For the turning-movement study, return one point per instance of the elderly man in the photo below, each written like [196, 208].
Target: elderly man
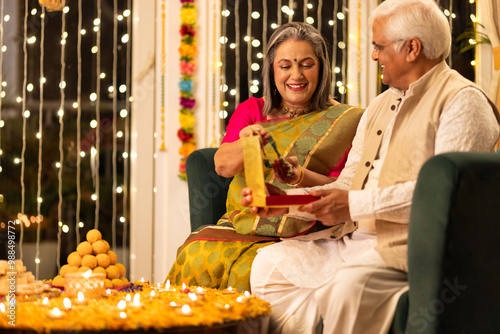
[350, 282]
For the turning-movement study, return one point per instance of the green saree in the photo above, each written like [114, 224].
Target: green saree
[221, 256]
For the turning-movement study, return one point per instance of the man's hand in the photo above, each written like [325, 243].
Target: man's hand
[332, 208]
[246, 199]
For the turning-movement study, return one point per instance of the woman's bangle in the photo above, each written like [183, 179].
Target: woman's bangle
[300, 179]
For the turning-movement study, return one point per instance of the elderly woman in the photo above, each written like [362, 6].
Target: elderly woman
[304, 125]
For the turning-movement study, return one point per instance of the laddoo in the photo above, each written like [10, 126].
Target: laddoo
[89, 261]
[103, 260]
[99, 270]
[64, 270]
[84, 248]
[100, 247]
[83, 269]
[74, 259]
[117, 282]
[112, 272]
[112, 257]
[122, 269]
[58, 281]
[72, 269]
[107, 283]
[93, 235]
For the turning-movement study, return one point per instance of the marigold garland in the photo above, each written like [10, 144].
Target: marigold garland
[187, 52]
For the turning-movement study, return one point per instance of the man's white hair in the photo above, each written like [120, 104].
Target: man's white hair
[422, 19]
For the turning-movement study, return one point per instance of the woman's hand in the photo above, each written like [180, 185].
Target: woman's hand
[256, 130]
[246, 199]
[287, 171]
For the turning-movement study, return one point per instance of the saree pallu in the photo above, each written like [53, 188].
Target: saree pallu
[221, 256]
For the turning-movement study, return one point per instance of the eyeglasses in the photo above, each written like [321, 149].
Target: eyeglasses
[377, 48]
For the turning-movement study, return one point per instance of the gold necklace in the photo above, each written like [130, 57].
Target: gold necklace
[294, 112]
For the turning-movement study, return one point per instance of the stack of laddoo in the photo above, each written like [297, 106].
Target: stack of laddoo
[94, 254]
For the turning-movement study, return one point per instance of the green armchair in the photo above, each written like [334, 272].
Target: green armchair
[207, 190]
[454, 248]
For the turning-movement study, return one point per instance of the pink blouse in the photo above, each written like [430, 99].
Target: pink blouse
[250, 112]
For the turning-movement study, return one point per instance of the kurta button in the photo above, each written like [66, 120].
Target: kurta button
[379, 132]
[367, 164]
[393, 107]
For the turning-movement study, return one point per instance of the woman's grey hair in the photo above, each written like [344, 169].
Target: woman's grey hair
[422, 19]
[300, 32]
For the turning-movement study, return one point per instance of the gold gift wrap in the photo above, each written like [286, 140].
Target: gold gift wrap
[90, 284]
[254, 177]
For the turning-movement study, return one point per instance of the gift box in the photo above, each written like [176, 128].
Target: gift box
[254, 178]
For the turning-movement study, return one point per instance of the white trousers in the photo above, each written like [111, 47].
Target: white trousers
[358, 299]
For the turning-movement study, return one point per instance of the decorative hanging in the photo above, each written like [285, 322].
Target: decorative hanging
[187, 52]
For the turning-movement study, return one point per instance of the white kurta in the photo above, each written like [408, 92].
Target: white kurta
[311, 261]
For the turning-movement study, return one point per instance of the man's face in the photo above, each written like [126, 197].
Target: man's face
[393, 65]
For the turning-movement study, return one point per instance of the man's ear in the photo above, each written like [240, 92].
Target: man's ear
[414, 49]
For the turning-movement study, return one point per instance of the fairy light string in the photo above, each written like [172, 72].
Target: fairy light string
[214, 67]
[319, 14]
[344, 52]
[334, 50]
[126, 136]
[223, 59]
[304, 10]
[114, 126]
[279, 13]
[1, 81]
[249, 47]
[264, 26]
[24, 115]
[40, 145]
[358, 55]
[162, 70]
[62, 85]
[237, 50]
[78, 124]
[98, 115]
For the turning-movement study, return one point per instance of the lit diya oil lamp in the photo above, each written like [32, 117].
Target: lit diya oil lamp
[80, 299]
[136, 303]
[200, 292]
[67, 304]
[45, 301]
[184, 289]
[185, 310]
[175, 305]
[56, 313]
[245, 298]
[228, 291]
[167, 287]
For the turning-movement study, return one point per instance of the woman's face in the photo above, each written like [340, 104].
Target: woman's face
[296, 72]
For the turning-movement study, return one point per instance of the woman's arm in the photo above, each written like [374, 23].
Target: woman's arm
[299, 176]
[229, 157]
